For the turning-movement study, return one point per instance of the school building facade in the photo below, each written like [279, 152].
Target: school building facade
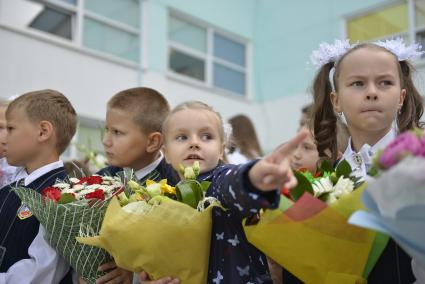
[240, 56]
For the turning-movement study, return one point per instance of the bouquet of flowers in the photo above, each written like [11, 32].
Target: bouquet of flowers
[153, 228]
[68, 207]
[396, 196]
[309, 236]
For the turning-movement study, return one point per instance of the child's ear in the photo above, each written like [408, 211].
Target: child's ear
[154, 142]
[402, 97]
[45, 130]
[335, 101]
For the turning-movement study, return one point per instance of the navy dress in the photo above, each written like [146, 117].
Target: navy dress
[232, 258]
[17, 234]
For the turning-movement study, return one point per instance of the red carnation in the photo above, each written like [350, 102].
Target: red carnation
[97, 194]
[285, 191]
[52, 193]
[91, 180]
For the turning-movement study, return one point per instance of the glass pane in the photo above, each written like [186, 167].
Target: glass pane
[229, 79]
[70, 1]
[229, 50]
[388, 21]
[187, 34]
[54, 22]
[420, 13]
[110, 40]
[187, 65]
[125, 11]
[90, 137]
[22, 13]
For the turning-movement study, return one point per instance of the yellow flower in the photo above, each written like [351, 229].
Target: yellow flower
[165, 188]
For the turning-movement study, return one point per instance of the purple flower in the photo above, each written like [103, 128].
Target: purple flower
[407, 143]
[422, 150]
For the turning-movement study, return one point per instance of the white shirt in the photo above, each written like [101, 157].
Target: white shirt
[45, 265]
[148, 169]
[236, 158]
[361, 161]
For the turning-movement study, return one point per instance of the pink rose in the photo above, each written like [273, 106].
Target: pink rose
[404, 145]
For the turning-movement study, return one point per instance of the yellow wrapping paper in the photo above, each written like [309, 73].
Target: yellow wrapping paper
[319, 248]
[171, 240]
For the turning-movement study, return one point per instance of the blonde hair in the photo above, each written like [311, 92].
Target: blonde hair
[195, 105]
[52, 106]
[148, 107]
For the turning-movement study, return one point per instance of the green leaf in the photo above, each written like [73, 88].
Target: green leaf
[324, 196]
[186, 194]
[302, 186]
[326, 166]
[343, 169]
[205, 185]
[66, 198]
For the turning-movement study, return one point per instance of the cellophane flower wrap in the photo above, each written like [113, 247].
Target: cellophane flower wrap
[66, 208]
[309, 235]
[395, 197]
[160, 229]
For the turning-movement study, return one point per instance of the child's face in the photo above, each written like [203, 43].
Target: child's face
[22, 138]
[3, 131]
[193, 135]
[369, 90]
[124, 142]
[306, 155]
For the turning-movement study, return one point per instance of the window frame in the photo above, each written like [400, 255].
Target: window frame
[208, 57]
[411, 31]
[78, 14]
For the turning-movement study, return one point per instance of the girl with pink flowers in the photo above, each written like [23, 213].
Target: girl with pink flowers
[369, 87]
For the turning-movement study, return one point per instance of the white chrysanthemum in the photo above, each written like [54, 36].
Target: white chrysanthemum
[322, 186]
[107, 178]
[78, 187]
[68, 190]
[62, 185]
[342, 187]
[74, 180]
[399, 48]
[329, 52]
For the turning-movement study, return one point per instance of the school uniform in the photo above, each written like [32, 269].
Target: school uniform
[232, 258]
[394, 265]
[27, 257]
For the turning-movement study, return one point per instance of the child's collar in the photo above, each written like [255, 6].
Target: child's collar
[140, 174]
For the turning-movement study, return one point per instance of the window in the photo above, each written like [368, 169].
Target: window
[389, 22]
[112, 26]
[207, 55]
[56, 19]
[108, 26]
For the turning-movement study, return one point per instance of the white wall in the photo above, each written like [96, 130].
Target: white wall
[31, 62]
[275, 121]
